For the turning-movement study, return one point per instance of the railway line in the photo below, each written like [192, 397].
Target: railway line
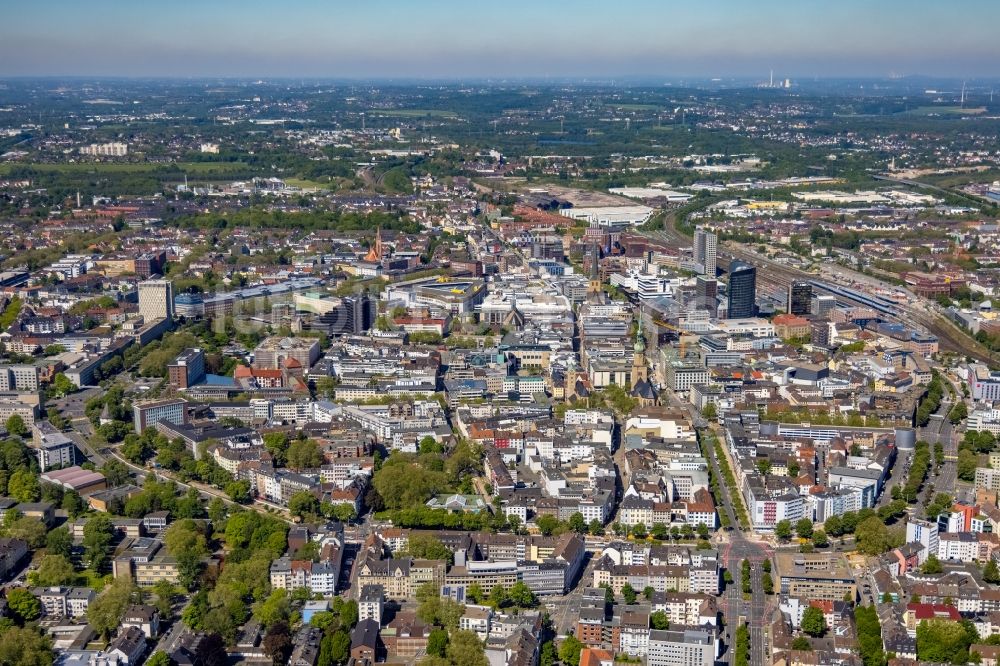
[780, 276]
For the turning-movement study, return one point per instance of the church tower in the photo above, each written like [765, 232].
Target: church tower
[595, 289]
[642, 389]
[375, 252]
[639, 370]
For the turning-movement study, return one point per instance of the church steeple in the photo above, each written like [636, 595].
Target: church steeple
[375, 252]
[639, 370]
[595, 289]
[642, 389]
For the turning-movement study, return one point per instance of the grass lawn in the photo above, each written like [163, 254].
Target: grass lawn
[946, 111]
[307, 184]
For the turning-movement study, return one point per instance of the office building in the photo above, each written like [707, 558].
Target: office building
[189, 305]
[361, 313]
[274, 352]
[823, 576]
[800, 298]
[352, 315]
[19, 378]
[684, 647]
[187, 369]
[148, 414]
[149, 264]
[707, 295]
[705, 250]
[156, 300]
[823, 305]
[742, 290]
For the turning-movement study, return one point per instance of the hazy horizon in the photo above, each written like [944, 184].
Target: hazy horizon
[442, 40]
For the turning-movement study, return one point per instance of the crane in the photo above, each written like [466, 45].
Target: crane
[676, 329]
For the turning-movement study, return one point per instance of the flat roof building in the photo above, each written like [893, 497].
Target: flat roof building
[824, 576]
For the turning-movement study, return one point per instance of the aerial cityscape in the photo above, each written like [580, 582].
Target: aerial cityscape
[434, 334]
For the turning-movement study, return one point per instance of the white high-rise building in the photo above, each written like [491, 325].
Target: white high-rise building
[925, 533]
[705, 249]
[113, 149]
[156, 300]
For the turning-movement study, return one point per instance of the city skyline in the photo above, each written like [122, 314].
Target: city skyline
[393, 39]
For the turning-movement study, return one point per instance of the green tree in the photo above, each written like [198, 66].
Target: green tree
[23, 604]
[158, 658]
[966, 465]
[783, 529]
[578, 523]
[813, 621]
[97, 536]
[55, 570]
[239, 491]
[276, 444]
[801, 643]
[437, 643]
[303, 504]
[425, 546]
[932, 565]
[991, 574]
[304, 454]
[628, 594]
[116, 473]
[105, 613]
[547, 524]
[569, 651]
[31, 530]
[274, 609]
[465, 649]
[958, 413]
[767, 582]
[944, 641]
[25, 646]
[658, 620]
[819, 539]
[59, 542]
[16, 426]
[165, 594]
[73, 504]
[869, 636]
[186, 543]
[23, 486]
[548, 654]
[474, 593]
[62, 386]
[873, 537]
[522, 596]
[804, 528]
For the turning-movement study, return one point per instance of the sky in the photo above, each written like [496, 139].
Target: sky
[430, 39]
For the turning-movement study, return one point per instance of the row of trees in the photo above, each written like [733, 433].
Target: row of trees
[730, 479]
[919, 468]
[869, 636]
[931, 400]
[741, 649]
